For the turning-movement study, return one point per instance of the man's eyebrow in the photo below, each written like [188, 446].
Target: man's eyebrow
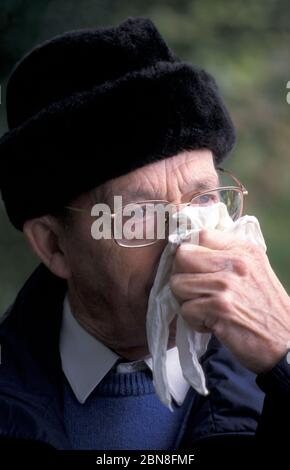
[206, 185]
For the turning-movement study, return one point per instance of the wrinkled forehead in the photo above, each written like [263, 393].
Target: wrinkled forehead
[168, 178]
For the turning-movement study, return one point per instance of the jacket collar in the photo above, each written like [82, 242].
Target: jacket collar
[31, 376]
[85, 361]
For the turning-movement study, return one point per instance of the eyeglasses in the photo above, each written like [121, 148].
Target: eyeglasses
[150, 221]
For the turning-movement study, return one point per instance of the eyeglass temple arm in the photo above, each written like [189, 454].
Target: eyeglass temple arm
[234, 178]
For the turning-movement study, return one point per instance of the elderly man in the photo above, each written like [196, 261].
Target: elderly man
[99, 113]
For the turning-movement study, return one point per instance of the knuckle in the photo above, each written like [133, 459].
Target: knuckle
[239, 265]
[223, 283]
[224, 301]
[253, 249]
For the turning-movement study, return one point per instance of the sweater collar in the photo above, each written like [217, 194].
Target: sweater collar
[86, 361]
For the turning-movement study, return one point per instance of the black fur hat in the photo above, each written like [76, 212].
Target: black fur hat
[91, 105]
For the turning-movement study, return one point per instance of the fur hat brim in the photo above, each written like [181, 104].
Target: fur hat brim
[92, 136]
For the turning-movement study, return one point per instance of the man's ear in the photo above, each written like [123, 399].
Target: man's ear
[44, 236]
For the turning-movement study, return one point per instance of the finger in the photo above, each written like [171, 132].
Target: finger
[191, 258]
[190, 286]
[218, 239]
[199, 315]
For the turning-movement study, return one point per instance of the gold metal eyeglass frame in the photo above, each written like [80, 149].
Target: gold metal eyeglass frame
[240, 188]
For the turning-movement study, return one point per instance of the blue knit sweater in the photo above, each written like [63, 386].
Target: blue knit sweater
[124, 413]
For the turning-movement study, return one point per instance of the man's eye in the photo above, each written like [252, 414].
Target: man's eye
[205, 199]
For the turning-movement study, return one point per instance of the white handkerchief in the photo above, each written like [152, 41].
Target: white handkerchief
[163, 306]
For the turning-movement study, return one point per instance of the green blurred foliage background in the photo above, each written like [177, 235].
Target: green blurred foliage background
[244, 44]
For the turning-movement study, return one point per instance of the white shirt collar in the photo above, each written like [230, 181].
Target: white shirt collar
[85, 360]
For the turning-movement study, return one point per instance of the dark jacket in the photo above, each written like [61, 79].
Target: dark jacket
[31, 384]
